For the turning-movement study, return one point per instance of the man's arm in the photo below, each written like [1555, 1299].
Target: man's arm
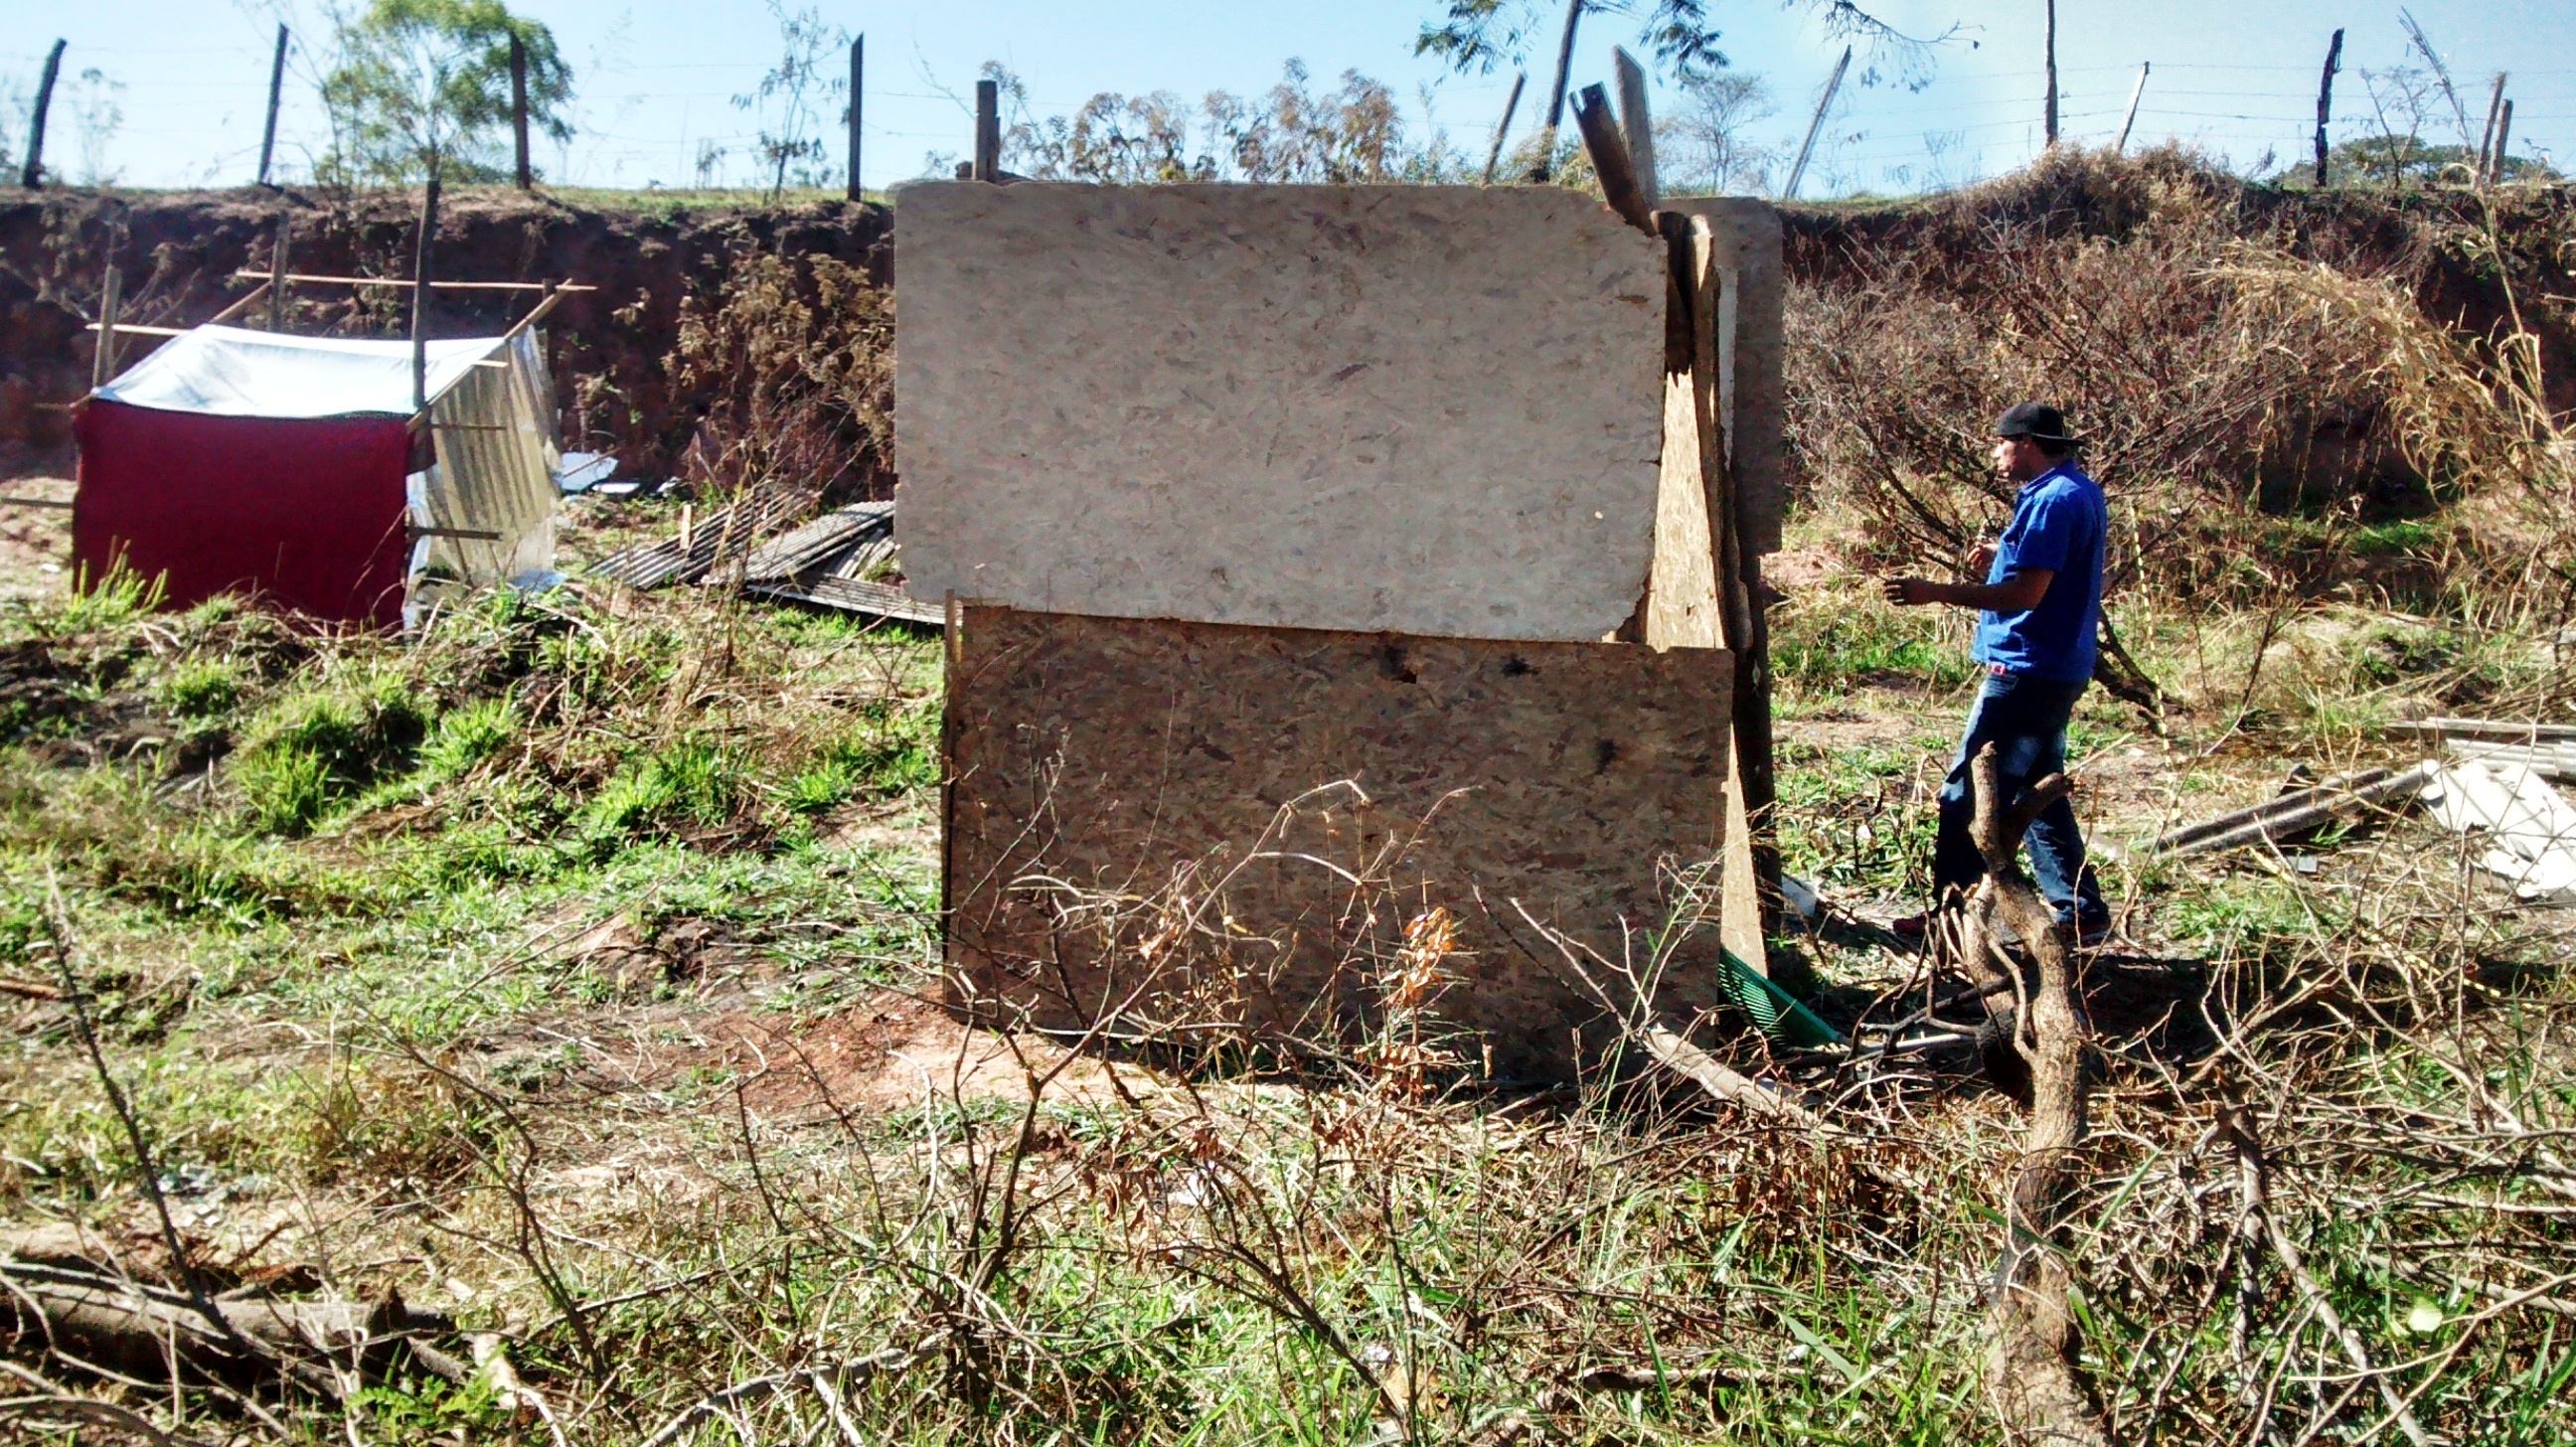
[2018, 593]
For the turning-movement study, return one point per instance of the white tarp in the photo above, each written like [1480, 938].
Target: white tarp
[236, 372]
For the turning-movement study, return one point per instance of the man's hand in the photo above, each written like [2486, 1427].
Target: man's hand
[1907, 592]
[1980, 558]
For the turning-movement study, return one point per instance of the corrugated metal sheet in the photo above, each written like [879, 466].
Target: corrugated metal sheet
[719, 533]
[497, 450]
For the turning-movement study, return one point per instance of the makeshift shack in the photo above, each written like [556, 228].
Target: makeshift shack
[301, 469]
[1345, 583]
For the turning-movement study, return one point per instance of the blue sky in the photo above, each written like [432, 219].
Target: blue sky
[655, 79]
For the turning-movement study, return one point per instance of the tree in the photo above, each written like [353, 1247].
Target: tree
[424, 85]
[1476, 36]
[1702, 144]
[788, 96]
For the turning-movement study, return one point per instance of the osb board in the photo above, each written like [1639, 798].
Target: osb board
[1224, 830]
[1746, 244]
[1426, 410]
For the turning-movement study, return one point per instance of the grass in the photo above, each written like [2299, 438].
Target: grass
[569, 912]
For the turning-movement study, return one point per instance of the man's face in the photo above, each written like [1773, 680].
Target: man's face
[2018, 459]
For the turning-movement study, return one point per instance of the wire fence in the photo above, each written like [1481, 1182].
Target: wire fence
[681, 125]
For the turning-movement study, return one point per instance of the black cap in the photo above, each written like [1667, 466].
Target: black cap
[2035, 420]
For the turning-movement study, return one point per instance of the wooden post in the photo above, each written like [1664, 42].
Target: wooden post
[276, 88]
[1610, 158]
[988, 130]
[2121, 146]
[2050, 101]
[1511, 103]
[1798, 169]
[519, 108]
[420, 290]
[2504, 134]
[858, 73]
[1636, 121]
[1545, 168]
[2325, 102]
[102, 362]
[277, 274]
[2486, 140]
[32, 175]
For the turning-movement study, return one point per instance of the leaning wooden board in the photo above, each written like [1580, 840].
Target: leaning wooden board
[1225, 829]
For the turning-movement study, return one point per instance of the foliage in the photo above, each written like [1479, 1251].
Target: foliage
[796, 359]
[1478, 35]
[1290, 134]
[1702, 149]
[419, 85]
[787, 99]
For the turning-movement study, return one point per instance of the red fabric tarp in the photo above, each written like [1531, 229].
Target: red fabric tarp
[306, 513]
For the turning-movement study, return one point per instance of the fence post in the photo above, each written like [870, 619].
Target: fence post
[1825, 102]
[2325, 102]
[2121, 146]
[988, 130]
[858, 73]
[2051, 99]
[2504, 133]
[33, 174]
[276, 86]
[1545, 170]
[519, 107]
[1511, 103]
[2486, 140]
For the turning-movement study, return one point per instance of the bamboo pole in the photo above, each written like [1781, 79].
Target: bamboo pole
[421, 289]
[102, 360]
[277, 273]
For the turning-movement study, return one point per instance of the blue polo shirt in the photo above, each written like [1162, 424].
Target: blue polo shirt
[2058, 523]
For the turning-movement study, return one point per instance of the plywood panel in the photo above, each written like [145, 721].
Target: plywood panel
[1426, 410]
[1226, 828]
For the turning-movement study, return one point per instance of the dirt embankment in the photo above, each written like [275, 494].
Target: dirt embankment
[178, 250]
[2473, 260]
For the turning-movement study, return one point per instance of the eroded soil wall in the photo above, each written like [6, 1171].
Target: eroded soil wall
[178, 251]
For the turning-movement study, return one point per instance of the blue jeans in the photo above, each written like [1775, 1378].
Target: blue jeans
[2025, 719]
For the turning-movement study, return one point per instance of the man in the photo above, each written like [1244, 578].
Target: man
[2037, 613]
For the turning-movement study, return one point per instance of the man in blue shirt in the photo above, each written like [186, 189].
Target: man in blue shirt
[2037, 614]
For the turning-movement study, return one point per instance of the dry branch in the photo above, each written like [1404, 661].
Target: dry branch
[2031, 1357]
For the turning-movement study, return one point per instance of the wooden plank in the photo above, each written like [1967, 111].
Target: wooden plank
[1233, 825]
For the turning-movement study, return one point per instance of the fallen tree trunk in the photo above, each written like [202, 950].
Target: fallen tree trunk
[93, 1321]
[2032, 1369]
